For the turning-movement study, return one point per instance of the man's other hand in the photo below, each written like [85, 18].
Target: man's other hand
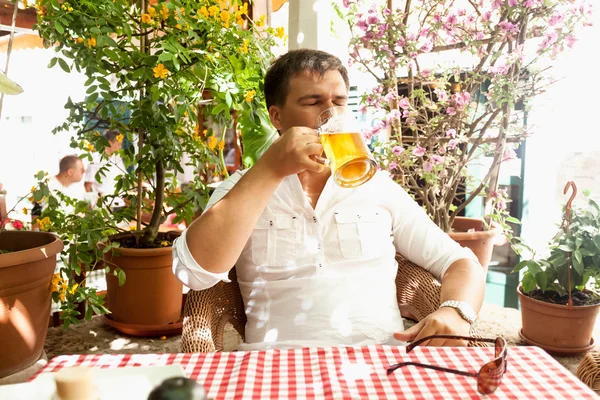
[445, 321]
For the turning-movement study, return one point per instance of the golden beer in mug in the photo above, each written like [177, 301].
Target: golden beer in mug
[348, 156]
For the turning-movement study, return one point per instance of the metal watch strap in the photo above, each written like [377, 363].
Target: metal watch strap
[464, 309]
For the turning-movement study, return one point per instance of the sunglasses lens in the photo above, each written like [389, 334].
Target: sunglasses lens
[491, 373]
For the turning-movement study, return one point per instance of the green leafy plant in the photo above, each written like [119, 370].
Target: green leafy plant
[576, 246]
[150, 65]
[452, 80]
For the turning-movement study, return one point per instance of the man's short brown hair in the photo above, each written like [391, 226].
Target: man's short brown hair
[296, 62]
[68, 162]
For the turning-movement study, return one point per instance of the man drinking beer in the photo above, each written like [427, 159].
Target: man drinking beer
[315, 260]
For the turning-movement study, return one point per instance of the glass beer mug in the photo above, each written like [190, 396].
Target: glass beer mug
[348, 156]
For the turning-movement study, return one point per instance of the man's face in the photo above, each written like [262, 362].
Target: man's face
[308, 96]
[76, 173]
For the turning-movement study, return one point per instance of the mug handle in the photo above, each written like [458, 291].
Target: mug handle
[322, 160]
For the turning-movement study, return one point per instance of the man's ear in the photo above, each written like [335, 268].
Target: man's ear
[275, 117]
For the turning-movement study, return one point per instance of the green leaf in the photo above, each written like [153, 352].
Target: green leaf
[597, 241]
[121, 276]
[88, 313]
[59, 27]
[52, 62]
[63, 64]
[577, 264]
[577, 256]
[542, 280]
[513, 220]
[520, 266]
[529, 282]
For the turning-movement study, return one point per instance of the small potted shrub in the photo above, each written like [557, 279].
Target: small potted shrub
[558, 301]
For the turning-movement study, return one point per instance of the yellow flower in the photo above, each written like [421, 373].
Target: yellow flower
[164, 12]
[221, 145]
[152, 11]
[25, 210]
[119, 138]
[250, 95]
[164, 243]
[224, 4]
[31, 199]
[240, 21]
[54, 288]
[225, 18]
[204, 132]
[61, 296]
[182, 11]
[203, 12]
[56, 278]
[63, 285]
[32, 189]
[178, 26]
[212, 142]
[25, 4]
[89, 146]
[146, 18]
[73, 288]
[91, 42]
[79, 40]
[160, 71]
[44, 223]
[280, 32]
[245, 46]
[213, 11]
[244, 9]
[261, 21]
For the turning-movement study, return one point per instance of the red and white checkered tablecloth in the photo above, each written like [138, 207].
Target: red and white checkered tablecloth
[353, 373]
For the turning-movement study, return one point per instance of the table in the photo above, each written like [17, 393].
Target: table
[352, 372]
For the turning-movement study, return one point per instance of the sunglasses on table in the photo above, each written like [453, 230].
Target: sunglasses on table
[489, 375]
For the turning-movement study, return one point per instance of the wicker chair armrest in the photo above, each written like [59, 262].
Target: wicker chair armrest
[206, 313]
[418, 293]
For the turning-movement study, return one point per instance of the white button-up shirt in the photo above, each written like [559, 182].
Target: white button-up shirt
[326, 276]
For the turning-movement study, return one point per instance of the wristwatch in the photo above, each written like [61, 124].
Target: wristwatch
[464, 309]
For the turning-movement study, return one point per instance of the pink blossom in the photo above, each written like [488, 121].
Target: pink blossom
[387, 11]
[441, 94]
[425, 73]
[452, 144]
[346, 3]
[18, 225]
[362, 24]
[397, 150]
[424, 32]
[392, 116]
[373, 19]
[513, 3]
[389, 97]
[418, 151]
[362, 109]
[486, 16]
[404, 103]
[556, 19]
[531, 3]
[426, 47]
[436, 160]
[497, 4]
[427, 166]
[570, 39]
[451, 133]
[401, 42]
[501, 205]
[508, 27]
[509, 154]
[393, 165]
[501, 69]
[413, 54]
[451, 111]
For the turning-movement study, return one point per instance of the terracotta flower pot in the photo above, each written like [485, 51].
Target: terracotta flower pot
[25, 296]
[151, 295]
[556, 328]
[479, 241]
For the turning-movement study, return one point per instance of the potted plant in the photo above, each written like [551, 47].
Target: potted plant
[451, 80]
[558, 305]
[150, 65]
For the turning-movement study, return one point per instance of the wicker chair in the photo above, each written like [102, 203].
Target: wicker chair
[207, 311]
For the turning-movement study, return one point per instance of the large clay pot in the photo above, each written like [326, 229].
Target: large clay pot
[556, 328]
[25, 296]
[151, 295]
[479, 241]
